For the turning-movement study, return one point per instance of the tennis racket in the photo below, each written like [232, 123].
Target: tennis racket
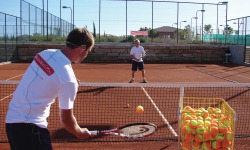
[144, 54]
[135, 130]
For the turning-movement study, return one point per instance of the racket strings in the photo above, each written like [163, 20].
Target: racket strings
[137, 130]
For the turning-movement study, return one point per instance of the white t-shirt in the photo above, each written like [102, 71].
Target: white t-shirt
[137, 52]
[50, 75]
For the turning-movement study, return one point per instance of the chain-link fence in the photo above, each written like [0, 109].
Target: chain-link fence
[9, 35]
[38, 23]
[34, 25]
[180, 24]
[237, 32]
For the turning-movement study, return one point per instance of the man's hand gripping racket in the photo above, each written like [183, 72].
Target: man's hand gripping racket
[141, 56]
[144, 54]
[136, 130]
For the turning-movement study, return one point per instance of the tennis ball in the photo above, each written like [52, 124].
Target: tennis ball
[188, 117]
[198, 112]
[226, 121]
[226, 143]
[208, 119]
[210, 110]
[219, 137]
[206, 145]
[213, 116]
[222, 128]
[202, 109]
[228, 136]
[198, 138]
[186, 146]
[186, 130]
[213, 130]
[195, 145]
[194, 117]
[199, 118]
[188, 109]
[185, 122]
[200, 122]
[206, 136]
[214, 122]
[139, 109]
[215, 144]
[188, 138]
[193, 131]
[207, 123]
[200, 129]
[205, 114]
[183, 115]
[193, 124]
[217, 110]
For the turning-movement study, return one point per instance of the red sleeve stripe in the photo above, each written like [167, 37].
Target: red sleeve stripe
[44, 65]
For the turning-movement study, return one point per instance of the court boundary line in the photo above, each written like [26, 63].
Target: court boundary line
[11, 93]
[233, 74]
[14, 77]
[6, 97]
[220, 77]
[160, 113]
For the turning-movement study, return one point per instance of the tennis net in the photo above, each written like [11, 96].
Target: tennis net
[110, 105]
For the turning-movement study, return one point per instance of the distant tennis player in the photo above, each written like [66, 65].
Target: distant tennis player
[50, 75]
[137, 52]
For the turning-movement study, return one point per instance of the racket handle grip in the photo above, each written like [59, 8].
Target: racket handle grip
[94, 133]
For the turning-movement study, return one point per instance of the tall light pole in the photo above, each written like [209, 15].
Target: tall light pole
[192, 26]
[223, 3]
[226, 3]
[197, 18]
[60, 18]
[71, 13]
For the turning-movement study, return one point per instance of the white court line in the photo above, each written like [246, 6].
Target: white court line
[6, 97]
[160, 113]
[14, 77]
[234, 74]
[11, 93]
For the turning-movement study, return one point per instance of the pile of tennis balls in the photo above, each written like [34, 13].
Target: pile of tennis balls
[205, 129]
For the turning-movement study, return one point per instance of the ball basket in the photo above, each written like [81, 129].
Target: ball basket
[205, 123]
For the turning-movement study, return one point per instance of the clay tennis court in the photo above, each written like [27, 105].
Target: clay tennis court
[155, 73]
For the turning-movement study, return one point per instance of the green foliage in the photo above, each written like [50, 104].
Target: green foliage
[208, 28]
[145, 29]
[130, 38]
[153, 33]
[142, 39]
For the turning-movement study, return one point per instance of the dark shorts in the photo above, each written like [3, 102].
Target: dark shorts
[26, 136]
[137, 65]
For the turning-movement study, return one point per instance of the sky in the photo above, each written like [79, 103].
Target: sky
[139, 13]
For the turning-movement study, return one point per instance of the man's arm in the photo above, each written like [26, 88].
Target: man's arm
[69, 122]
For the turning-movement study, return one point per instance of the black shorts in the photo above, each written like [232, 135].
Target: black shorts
[25, 136]
[137, 65]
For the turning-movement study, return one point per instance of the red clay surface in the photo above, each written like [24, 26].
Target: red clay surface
[154, 73]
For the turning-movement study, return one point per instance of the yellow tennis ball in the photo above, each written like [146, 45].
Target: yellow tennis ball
[139, 109]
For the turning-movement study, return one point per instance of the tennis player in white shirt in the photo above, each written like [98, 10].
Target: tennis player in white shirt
[137, 52]
[50, 75]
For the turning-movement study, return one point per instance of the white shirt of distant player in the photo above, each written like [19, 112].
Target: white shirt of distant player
[137, 52]
[37, 90]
